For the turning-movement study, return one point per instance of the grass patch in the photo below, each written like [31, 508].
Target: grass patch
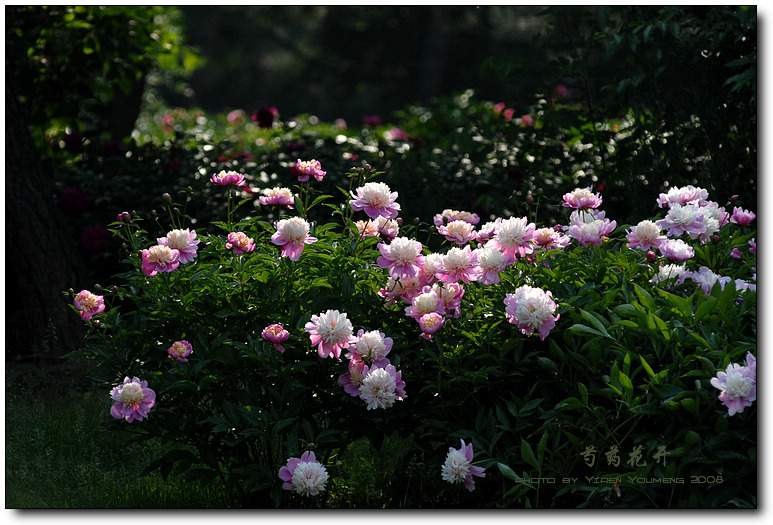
[56, 458]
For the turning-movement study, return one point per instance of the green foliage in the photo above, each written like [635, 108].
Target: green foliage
[74, 66]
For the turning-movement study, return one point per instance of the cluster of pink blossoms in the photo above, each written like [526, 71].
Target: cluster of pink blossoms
[176, 248]
[738, 385]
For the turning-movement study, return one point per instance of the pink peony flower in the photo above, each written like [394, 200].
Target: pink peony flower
[381, 387]
[707, 279]
[88, 304]
[549, 239]
[426, 302]
[449, 215]
[352, 380]
[276, 334]
[458, 231]
[587, 233]
[513, 237]
[305, 475]
[527, 120]
[683, 218]
[491, 261]
[488, 230]
[371, 347]
[451, 294]
[676, 250]
[738, 385]
[376, 200]
[402, 256]
[405, 289]
[292, 235]
[430, 323]
[184, 241]
[159, 258]
[180, 350]
[581, 198]
[458, 467]
[644, 236]
[306, 168]
[459, 264]
[687, 195]
[331, 332]
[736, 253]
[531, 309]
[367, 228]
[742, 217]
[667, 272]
[226, 178]
[240, 243]
[278, 197]
[133, 400]
[753, 246]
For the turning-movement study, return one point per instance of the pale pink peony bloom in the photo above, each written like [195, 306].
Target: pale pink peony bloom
[449, 215]
[707, 279]
[159, 258]
[513, 237]
[225, 178]
[180, 350]
[292, 235]
[276, 334]
[683, 218]
[184, 241]
[387, 228]
[531, 309]
[381, 387]
[458, 231]
[402, 256]
[305, 475]
[405, 289]
[352, 380]
[742, 217]
[133, 400]
[433, 264]
[430, 323]
[367, 228]
[458, 466]
[451, 294]
[88, 304]
[306, 168]
[491, 261]
[668, 272]
[424, 303]
[742, 286]
[644, 236]
[587, 233]
[376, 200]
[488, 230]
[738, 387]
[240, 243]
[581, 198]
[459, 264]
[277, 197]
[371, 347]
[753, 246]
[686, 195]
[676, 250]
[331, 332]
[549, 239]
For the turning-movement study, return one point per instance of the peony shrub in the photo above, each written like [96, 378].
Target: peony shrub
[329, 319]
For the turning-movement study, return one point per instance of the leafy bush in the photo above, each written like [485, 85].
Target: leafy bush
[615, 357]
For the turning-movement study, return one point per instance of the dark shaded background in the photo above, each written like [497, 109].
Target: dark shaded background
[351, 61]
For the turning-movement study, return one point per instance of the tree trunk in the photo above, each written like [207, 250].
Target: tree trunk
[41, 262]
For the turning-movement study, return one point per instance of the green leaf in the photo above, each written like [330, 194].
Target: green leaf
[527, 454]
